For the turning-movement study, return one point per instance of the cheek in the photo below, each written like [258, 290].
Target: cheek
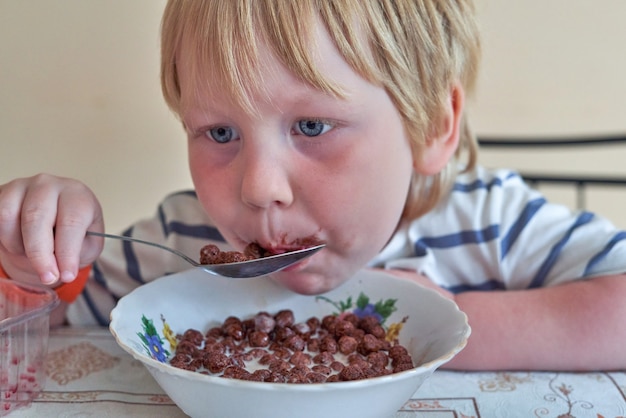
[383, 199]
[213, 187]
[357, 215]
[363, 207]
[200, 175]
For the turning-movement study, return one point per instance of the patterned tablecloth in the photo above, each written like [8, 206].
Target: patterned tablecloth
[88, 374]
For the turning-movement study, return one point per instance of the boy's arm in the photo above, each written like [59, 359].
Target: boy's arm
[580, 325]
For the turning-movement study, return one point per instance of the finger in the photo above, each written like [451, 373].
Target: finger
[78, 211]
[92, 246]
[11, 197]
[38, 215]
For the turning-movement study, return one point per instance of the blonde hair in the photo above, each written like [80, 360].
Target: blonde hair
[415, 49]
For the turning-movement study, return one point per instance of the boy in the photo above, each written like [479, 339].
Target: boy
[343, 122]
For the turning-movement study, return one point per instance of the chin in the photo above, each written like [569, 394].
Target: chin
[307, 283]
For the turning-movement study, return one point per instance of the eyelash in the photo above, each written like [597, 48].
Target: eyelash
[327, 126]
[297, 128]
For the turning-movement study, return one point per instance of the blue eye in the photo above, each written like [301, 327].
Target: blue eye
[222, 134]
[312, 127]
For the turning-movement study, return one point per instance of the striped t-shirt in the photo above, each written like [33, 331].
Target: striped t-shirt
[490, 232]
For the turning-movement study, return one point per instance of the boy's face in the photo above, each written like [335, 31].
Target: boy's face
[307, 167]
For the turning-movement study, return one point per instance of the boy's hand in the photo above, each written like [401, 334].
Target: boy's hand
[43, 220]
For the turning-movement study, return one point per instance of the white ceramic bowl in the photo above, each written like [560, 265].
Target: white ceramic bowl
[435, 331]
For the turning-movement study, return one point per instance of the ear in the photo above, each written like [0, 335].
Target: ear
[443, 139]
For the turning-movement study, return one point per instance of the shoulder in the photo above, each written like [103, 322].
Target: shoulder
[180, 213]
[182, 206]
[481, 181]
[182, 201]
[483, 197]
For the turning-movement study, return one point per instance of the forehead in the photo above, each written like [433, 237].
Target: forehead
[235, 60]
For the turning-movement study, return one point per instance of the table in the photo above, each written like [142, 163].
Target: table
[88, 374]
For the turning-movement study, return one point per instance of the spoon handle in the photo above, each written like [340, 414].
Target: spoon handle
[153, 244]
[240, 270]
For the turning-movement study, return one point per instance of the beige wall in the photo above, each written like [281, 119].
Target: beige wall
[556, 67]
[80, 97]
[79, 92]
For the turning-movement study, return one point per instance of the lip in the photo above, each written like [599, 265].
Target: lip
[298, 266]
[301, 265]
[281, 250]
[274, 247]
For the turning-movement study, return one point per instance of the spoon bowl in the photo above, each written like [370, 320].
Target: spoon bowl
[239, 270]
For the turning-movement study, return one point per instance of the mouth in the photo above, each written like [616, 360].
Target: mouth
[284, 246]
[300, 266]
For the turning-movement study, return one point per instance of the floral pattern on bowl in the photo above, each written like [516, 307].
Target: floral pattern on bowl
[152, 341]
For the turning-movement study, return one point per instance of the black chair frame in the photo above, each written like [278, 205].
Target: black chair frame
[537, 144]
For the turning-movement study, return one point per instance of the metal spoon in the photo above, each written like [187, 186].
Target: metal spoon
[240, 270]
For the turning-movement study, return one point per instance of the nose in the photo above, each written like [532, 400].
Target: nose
[266, 181]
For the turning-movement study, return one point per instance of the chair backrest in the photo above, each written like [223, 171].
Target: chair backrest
[580, 182]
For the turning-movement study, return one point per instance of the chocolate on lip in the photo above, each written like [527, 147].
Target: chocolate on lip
[284, 246]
